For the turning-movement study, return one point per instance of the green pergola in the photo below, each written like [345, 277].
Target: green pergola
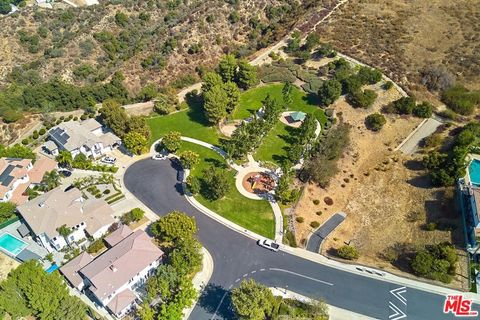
[298, 116]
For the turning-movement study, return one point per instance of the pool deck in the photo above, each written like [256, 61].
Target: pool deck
[31, 244]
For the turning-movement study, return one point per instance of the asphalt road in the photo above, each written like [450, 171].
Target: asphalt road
[316, 239]
[237, 257]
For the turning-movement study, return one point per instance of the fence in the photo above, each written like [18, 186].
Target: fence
[9, 222]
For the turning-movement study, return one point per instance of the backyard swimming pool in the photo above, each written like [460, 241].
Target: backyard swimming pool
[474, 172]
[11, 245]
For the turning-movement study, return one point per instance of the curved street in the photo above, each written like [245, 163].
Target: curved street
[236, 257]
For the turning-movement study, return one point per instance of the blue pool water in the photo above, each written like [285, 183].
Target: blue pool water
[52, 268]
[474, 172]
[11, 244]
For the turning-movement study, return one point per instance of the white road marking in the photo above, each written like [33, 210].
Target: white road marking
[397, 293]
[301, 275]
[397, 313]
[230, 287]
[218, 307]
[237, 280]
[253, 271]
[246, 274]
[263, 269]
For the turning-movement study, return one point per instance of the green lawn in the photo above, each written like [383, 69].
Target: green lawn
[254, 215]
[275, 145]
[190, 123]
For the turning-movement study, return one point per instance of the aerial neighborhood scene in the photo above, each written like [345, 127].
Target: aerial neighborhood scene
[239, 159]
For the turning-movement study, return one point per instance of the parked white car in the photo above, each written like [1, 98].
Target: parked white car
[268, 244]
[159, 156]
[109, 160]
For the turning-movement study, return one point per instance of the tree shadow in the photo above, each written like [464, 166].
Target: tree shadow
[211, 297]
[195, 109]
[414, 165]
[216, 163]
[312, 99]
[421, 181]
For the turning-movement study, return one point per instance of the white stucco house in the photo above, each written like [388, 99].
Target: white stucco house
[49, 212]
[112, 277]
[88, 137]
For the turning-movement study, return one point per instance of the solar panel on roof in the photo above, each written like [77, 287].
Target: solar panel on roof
[5, 177]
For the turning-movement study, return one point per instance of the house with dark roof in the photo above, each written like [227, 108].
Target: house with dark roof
[87, 137]
[112, 277]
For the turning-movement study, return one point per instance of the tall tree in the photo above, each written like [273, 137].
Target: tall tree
[329, 92]
[188, 159]
[50, 180]
[287, 91]
[64, 158]
[215, 104]
[247, 75]
[233, 96]
[114, 116]
[172, 141]
[210, 80]
[174, 226]
[227, 68]
[135, 142]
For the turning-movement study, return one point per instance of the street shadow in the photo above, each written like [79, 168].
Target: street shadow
[210, 300]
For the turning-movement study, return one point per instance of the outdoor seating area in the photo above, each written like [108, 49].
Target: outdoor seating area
[258, 182]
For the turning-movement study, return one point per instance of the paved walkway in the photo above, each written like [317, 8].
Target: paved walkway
[424, 129]
[317, 237]
[334, 313]
[251, 166]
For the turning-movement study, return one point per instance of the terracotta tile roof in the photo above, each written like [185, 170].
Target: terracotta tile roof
[42, 165]
[19, 196]
[11, 169]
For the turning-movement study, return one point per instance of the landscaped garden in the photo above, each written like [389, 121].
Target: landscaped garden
[254, 215]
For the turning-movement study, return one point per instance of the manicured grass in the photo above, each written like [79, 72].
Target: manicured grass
[275, 145]
[254, 215]
[190, 123]
[251, 100]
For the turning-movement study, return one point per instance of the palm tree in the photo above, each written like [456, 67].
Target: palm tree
[51, 180]
[65, 158]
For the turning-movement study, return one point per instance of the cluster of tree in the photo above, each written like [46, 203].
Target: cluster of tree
[302, 51]
[133, 130]
[303, 140]
[408, 105]
[322, 164]
[57, 95]
[50, 180]
[30, 291]
[221, 88]
[436, 262]
[134, 215]
[166, 101]
[446, 166]
[284, 192]
[214, 183]
[81, 161]
[170, 290]
[461, 100]
[249, 135]
[345, 81]
[7, 211]
[172, 141]
[16, 151]
[252, 300]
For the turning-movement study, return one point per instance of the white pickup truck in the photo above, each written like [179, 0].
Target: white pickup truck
[268, 244]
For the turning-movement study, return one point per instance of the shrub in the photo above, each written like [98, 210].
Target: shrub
[388, 85]
[461, 100]
[328, 201]
[375, 121]
[348, 252]
[314, 224]
[437, 78]
[35, 135]
[96, 246]
[25, 141]
[431, 226]
[362, 99]
[316, 202]
[423, 110]
[404, 105]
[318, 213]
[106, 191]
[329, 92]
[369, 76]
[193, 185]
[300, 219]
[448, 114]
[83, 117]
[42, 131]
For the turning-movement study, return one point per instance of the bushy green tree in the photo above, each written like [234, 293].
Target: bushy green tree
[362, 99]
[461, 100]
[174, 226]
[215, 104]
[193, 184]
[404, 105]
[329, 92]
[210, 80]
[186, 258]
[227, 68]
[216, 184]
[114, 116]
[188, 159]
[233, 96]
[172, 141]
[375, 121]
[287, 91]
[423, 110]
[50, 180]
[312, 41]
[7, 211]
[369, 76]
[252, 301]
[246, 76]
[135, 142]
[348, 252]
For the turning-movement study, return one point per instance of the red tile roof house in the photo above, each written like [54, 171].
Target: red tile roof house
[17, 175]
[112, 277]
[48, 212]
